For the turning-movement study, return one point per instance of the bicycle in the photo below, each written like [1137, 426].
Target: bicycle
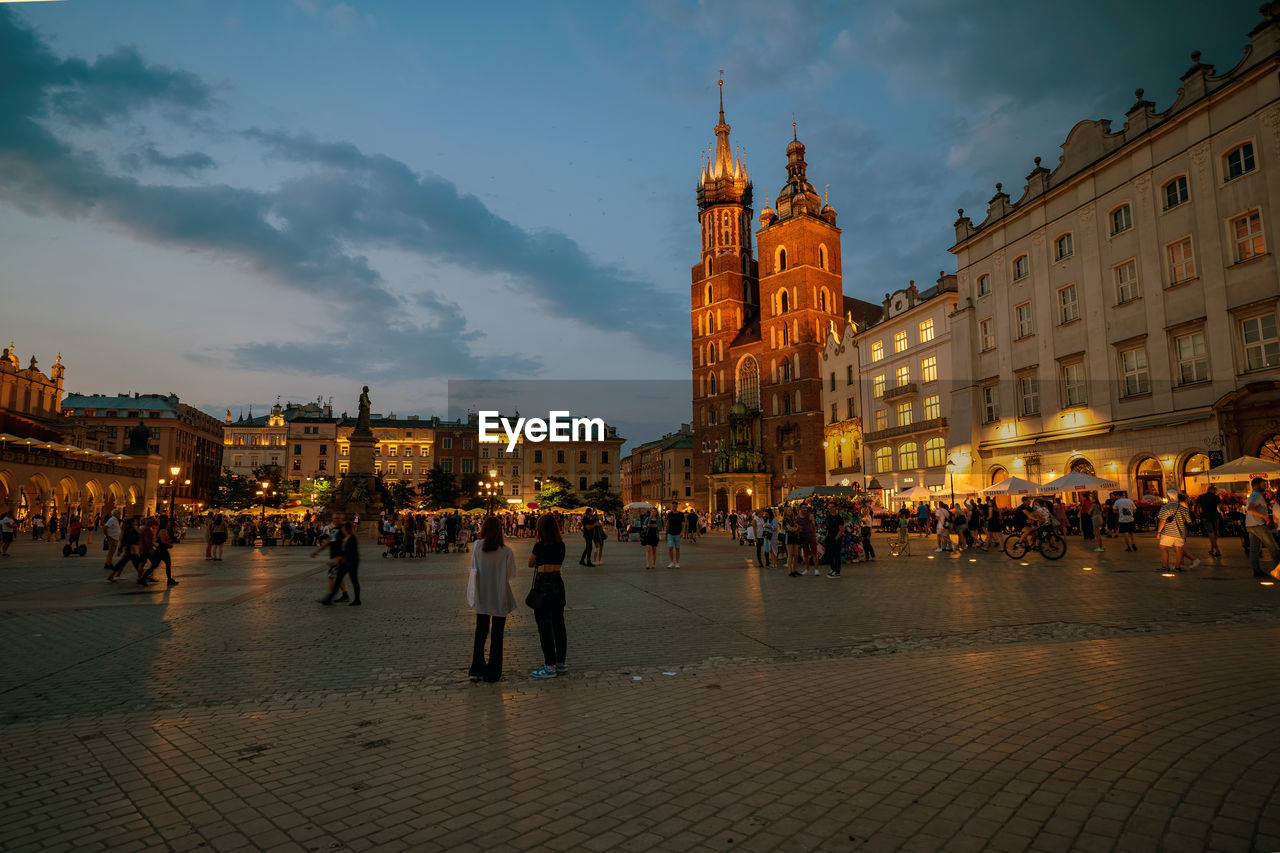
[1047, 541]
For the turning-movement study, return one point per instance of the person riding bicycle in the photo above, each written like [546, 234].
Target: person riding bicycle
[1024, 519]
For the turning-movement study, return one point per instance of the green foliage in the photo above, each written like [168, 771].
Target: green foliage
[469, 484]
[276, 490]
[315, 492]
[557, 493]
[403, 496]
[232, 491]
[476, 502]
[441, 489]
[601, 498]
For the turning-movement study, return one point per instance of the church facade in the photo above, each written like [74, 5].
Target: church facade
[758, 323]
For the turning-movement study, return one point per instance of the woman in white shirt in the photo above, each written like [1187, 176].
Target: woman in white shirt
[493, 567]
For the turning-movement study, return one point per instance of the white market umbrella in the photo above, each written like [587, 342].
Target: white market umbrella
[639, 505]
[915, 493]
[1076, 481]
[1015, 486]
[1242, 470]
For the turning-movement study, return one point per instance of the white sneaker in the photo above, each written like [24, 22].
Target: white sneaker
[671, 565]
[937, 550]
[677, 565]
[1193, 565]
[805, 572]
[1098, 550]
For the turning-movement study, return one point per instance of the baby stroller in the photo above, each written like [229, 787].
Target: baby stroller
[395, 548]
[901, 547]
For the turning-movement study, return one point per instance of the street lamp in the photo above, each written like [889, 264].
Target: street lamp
[491, 487]
[951, 470]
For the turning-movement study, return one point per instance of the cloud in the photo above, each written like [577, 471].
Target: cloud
[148, 156]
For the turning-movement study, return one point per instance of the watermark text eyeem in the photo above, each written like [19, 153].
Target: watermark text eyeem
[559, 426]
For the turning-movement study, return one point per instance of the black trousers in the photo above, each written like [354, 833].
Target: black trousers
[346, 571]
[550, 617]
[488, 628]
[586, 552]
[158, 556]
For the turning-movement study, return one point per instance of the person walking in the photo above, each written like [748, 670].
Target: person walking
[348, 564]
[160, 553]
[1257, 526]
[675, 525]
[768, 536]
[331, 538]
[111, 537]
[588, 536]
[599, 536]
[547, 598]
[220, 531]
[1095, 513]
[833, 544]
[942, 521]
[493, 567]
[808, 541]
[1209, 505]
[128, 551]
[1126, 520]
[649, 534]
[1172, 524]
[6, 532]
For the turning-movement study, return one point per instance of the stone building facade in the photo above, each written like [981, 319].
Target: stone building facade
[1120, 317]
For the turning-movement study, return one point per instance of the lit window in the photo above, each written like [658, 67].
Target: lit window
[1182, 262]
[882, 418]
[1068, 304]
[904, 414]
[884, 460]
[1063, 248]
[877, 386]
[990, 404]
[1021, 267]
[908, 456]
[1175, 192]
[926, 331]
[929, 369]
[984, 285]
[1028, 395]
[1073, 385]
[1126, 276]
[877, 350]
[1121, 219]
[1134, 373]
[1240, 161]
[935, 452]
[1246, 231]
[987, 332]
[1023, 313]
[904, 375]
[932, 407]
[1261, 346]
[899, 341]
[1192, 357]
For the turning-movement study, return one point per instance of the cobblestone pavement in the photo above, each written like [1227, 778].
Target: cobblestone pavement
[922, 703]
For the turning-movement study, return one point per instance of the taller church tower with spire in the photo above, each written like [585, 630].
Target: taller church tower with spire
[757, 331]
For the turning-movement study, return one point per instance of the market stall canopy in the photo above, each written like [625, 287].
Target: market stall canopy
[1241, 470]
[915, 493]
[1015, 486]
[1075, 481]
[825, 491]
[639, 505]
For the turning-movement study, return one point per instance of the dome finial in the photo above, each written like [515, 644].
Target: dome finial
[720, 86]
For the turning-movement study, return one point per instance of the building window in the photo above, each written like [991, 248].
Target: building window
[882, 419]
[391, 467]
[899, 341]
[987, 334]
[904, 375]
[1028, 395]
[932, 407]
[877, 350]
[484, 452]
[1023, 315]
[237, 461]
[559, 457]
[1021, 267]
[833, 413]
[1240, 161]
[1182, 262]
[342, 468]
[324, 464]
[877, 386]
[935, 452]
[1062, 247]
[297, 464]
[1121, 219]
[1134, 373]
[782, 261]
[904, 414]
[929, 369]
[850, 406]
[1192, 357]
[604, 457]
[582, 484]
[1261, 347]
[1175, 192]
[1126, 276]
[822, 256]
[833, 380]
[468, 466]
[537, 456]
[1073, 385]
[1246, 231]
[1068, 304]
[984, 285]
[926, 331]
[391, 451]
[908, 457]
[848, 375]
[446, 443]
[990, 405]
[884, 460]
[466, 444]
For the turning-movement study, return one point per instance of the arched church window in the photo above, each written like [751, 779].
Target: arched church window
[708, 276]
[822, 256]
[781, 259]
[782, 302]
[822, 299]
[749, 383]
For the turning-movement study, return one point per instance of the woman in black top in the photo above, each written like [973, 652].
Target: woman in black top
[589, 524]
[547, 597]
[348, 564]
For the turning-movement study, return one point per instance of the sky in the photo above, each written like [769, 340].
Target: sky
[239, 200]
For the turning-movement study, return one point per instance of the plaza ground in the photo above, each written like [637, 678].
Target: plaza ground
[921, 703]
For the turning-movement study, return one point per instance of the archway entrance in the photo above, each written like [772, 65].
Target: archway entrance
[998, 475]
[1270, 449]
[1080, 465]
[1150, 477]
[741, 502]
[722, 500]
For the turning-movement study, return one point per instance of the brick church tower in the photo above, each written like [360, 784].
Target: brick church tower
[757, 341]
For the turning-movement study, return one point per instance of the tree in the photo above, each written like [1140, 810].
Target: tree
[601, 498]
[232, 491]
[316, 491]
[557, 492]
[441, 489]
[275, 491]
[403, 496]
[469, 484]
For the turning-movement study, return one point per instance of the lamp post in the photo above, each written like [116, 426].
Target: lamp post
[951, 472]
[264, 494]
[174, 471]
[491, 487]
